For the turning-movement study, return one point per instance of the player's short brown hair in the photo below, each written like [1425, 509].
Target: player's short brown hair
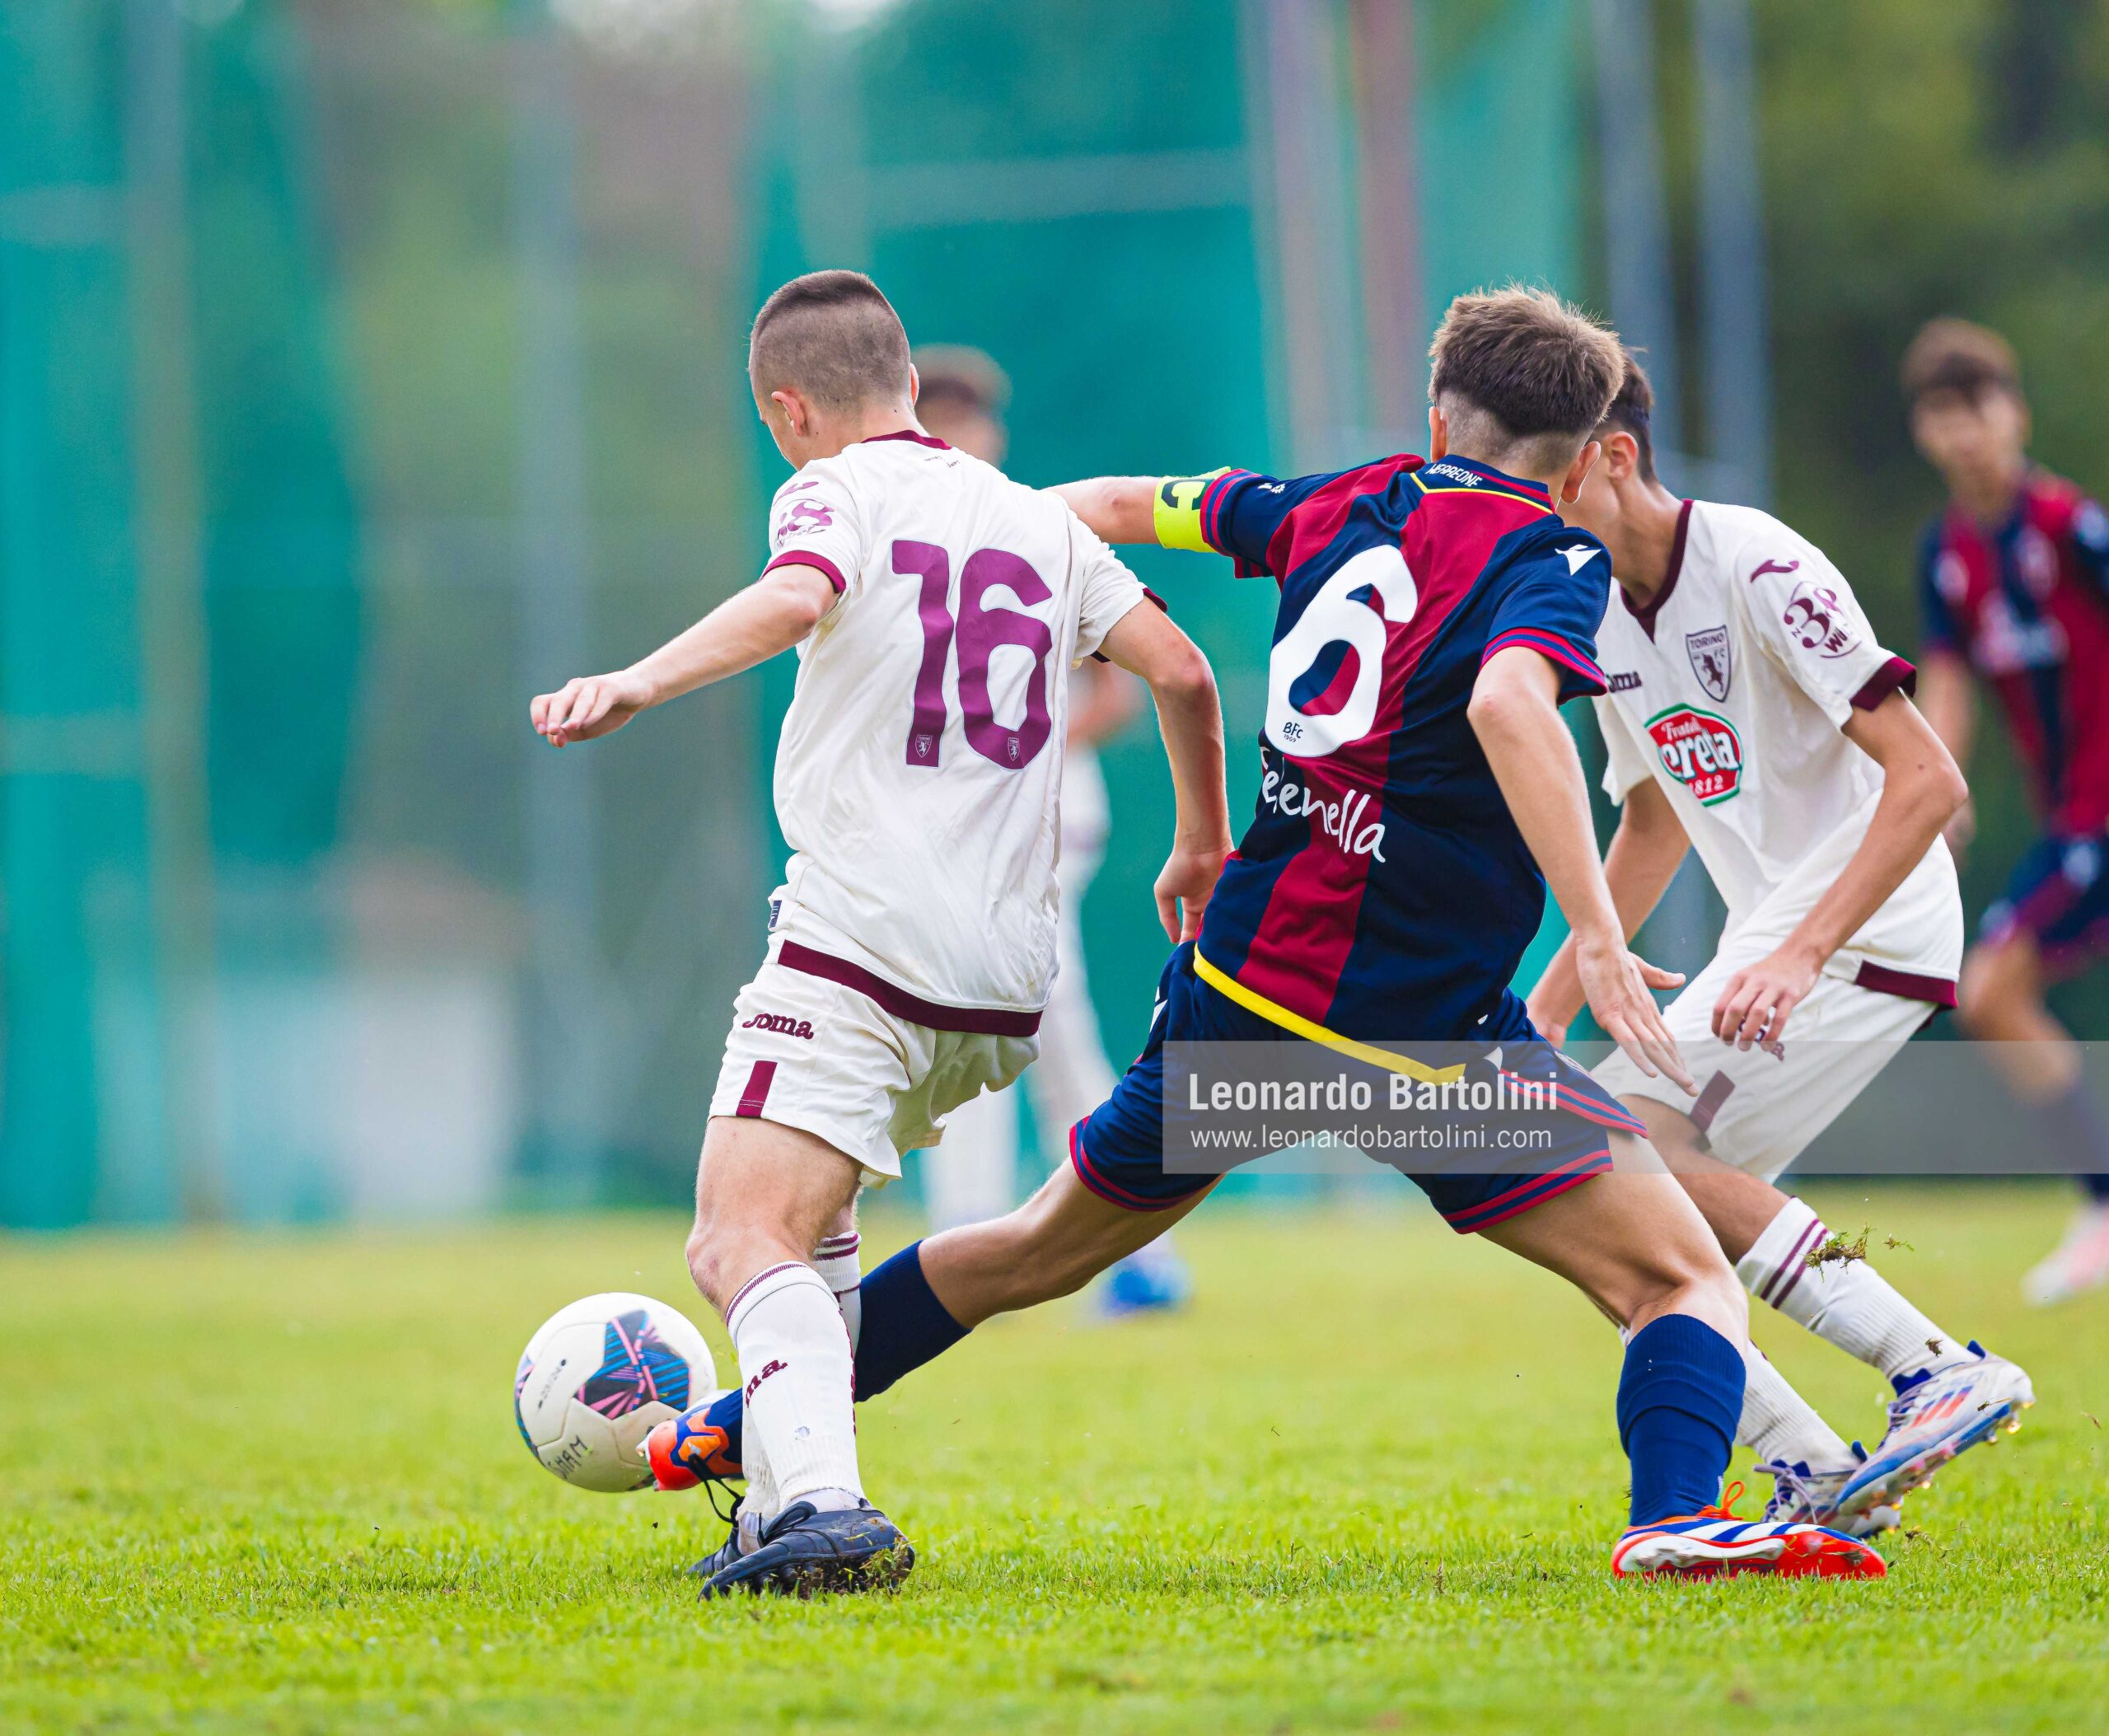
[961, 376]
[832, 335]
[1956, 356]
[1543, 369]
[1631, 412]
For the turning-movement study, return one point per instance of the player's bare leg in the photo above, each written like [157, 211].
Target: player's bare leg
[766, 1195]
[1633, 1245]
[2001, 1005]
[1052, 1246]
[1773, 1241]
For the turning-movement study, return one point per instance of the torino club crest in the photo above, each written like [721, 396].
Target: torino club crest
[1708, 652]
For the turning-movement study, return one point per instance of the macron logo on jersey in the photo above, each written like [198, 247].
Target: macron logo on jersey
[1579, 557]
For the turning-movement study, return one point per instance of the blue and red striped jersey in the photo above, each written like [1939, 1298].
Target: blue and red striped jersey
[2027, 602]
[1382, 890]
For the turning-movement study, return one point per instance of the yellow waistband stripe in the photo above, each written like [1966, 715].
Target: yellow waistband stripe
[1224, 984]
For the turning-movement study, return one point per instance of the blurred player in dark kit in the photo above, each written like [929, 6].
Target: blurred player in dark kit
[2015, 584]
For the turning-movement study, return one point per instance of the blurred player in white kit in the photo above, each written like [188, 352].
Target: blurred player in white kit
[973, 1175]
[936, 608]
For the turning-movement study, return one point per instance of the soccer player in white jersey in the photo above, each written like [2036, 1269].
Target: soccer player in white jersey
[936, 607]
[973, 1176]
[1753, 714]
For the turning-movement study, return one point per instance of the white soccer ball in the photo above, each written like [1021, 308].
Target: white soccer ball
[598, 1377]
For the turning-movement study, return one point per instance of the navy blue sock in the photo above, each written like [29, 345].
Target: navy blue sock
[1679, 1400]
[905, 1324]
[2071, 1127]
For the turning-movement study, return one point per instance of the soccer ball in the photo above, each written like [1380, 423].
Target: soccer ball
[598, 1377]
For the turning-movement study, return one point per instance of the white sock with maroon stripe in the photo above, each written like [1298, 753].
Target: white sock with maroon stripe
[835, 1259]
[795, 1360]
[1778, 1423]
[1844, 1302]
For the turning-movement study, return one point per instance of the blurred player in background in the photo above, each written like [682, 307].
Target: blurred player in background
[973, 1175]
[936, 608]
[2014, 578]
[1753, 713]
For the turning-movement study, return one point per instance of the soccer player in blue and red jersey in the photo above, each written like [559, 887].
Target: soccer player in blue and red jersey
[1418, 794]
[2015, 584]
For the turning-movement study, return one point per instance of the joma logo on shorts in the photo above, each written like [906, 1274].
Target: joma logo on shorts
[782, 1023]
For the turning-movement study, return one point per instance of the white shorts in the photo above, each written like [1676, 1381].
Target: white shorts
[826, 1057]
[1759, 1109]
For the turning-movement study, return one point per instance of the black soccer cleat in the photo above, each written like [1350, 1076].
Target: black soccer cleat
[803, 1552]
[720, 1558]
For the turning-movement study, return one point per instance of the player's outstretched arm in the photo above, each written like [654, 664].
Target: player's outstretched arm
[1119, 509]
[1145, 642]
[769, 617]
[1646, 852]
[1515, 713]
[1921, 792]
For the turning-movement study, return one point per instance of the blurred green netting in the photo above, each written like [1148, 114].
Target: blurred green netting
[367, 366]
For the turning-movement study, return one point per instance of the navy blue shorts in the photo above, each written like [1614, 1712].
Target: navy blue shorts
[1117, 1149]
[2059, 896]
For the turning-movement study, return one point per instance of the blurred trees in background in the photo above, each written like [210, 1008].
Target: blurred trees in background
[1919, 160]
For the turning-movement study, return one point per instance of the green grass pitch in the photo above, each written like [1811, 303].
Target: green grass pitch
[1366, 1482]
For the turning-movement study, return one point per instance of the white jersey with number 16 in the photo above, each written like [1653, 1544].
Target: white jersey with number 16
[918, 771]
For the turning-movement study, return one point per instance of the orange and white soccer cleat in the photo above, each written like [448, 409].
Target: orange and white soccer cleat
[1713, 1543]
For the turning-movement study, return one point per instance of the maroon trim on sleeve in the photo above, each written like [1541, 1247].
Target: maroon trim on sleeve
[976, 1021]
[1905, 985]
[806, 558]
[1894, 676]
[1645, 613]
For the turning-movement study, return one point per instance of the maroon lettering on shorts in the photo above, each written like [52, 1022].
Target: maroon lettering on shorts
[782, 1023]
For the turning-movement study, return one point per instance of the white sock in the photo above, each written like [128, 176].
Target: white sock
[1844, 1302]
[794, 1357]
[761, 1503]
[1778, 1424]
[834, 1258]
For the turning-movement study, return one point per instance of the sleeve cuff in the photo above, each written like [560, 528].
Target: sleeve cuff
[1894, 676]
[1583, 676]
[806, 558]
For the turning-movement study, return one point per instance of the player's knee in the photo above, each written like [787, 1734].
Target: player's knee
[724, 1253]
[706, 1256]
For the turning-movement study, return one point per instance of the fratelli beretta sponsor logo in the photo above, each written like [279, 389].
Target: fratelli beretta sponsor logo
[1701, 751]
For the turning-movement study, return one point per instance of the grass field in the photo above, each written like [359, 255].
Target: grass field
[1366, 1482]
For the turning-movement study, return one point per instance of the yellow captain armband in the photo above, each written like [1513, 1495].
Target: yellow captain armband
[1176, 512]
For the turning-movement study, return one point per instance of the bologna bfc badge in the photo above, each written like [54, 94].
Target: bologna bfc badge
[1708, 652]
[1702, 751]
